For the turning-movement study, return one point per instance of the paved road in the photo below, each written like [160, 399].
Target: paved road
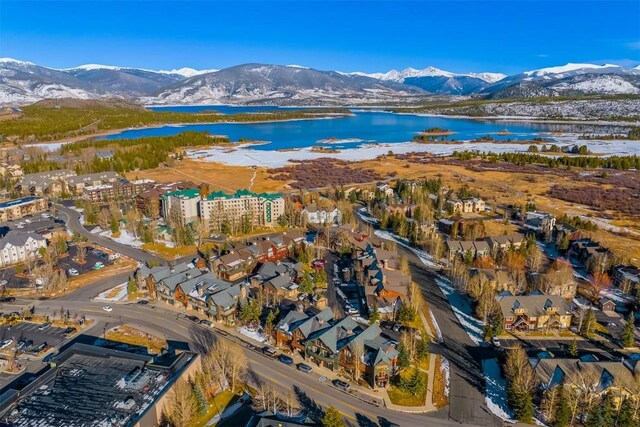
[466, 399]
[308, 390]
[73, 223]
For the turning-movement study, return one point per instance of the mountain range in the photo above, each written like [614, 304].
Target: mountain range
[24, 82]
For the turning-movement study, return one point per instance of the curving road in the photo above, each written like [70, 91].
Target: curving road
[310, 393]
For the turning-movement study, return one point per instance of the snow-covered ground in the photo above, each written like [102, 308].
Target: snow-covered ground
[119, 293]
[444, 367]
[125, 238]
[462, 308]
[425, 257]
[496, 390]
[616, 295]
[254, 335]
[246, 155]
[435, 325]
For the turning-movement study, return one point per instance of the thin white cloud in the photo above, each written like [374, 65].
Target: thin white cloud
[634, 45]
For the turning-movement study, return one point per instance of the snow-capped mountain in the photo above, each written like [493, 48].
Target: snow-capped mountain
[435, 80]
[277, 83]
[573, 79]
[23, 82]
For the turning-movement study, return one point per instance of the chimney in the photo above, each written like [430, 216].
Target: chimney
[299, 308]
[385, 263]
[188, 275]
[172, 269]
[201, 290]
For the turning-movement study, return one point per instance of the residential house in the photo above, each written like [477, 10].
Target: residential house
[278, 280]
[626, 276]
[45, 183]
[535, 312]
[541, 222]
[455, 206]
[313, 215]
[19, 208]
[385, 189]
[585, 250]
[119, 189]
[348, 345]
[76, 184]
[11, 171]
[604, 376]
[504, 243]
[235, 265]
[606, 304]
[463, 248]
[17, 246]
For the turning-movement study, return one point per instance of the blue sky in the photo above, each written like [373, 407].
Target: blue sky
[503, 36]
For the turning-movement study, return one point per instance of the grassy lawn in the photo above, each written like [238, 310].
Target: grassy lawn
[167, 252]
[439, 384]
[129, 335]
[219, 402]
[405, 398]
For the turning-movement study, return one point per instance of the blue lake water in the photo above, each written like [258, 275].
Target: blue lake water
[347, 132]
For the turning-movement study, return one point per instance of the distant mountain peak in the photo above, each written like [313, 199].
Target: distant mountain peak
[569, 67]
[430, 71]
[14, 61]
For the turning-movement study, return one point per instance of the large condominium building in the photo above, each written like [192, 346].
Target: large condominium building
[261, 209]
[16, 247]
[18, 208]
[181, 205]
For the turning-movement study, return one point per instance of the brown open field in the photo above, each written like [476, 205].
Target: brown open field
[217, 175]
[516, 188]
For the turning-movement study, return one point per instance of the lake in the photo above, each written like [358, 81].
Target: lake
[368, 127]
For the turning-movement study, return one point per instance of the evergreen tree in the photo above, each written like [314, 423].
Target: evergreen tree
[332, 418]
[562, 411]
[573, 348]
[201, 400]
[628, 339]
[306, 283]
[403, 357]
[374, 316]
[595, 418]
[625, 416]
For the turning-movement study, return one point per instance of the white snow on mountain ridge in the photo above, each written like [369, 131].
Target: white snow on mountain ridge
[400, 76]
[566, 68]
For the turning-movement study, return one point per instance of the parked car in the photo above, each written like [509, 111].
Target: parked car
[194, 319]
[107, 308]
[49, 357]
[143, 302]
[6, 343]
[322, 379]
[7, 299]
[304, 368]
[73, 272]
[44, 326]
[207, 323]
[3, 282]
[25, 380]
[495, 341]
[341, 385]
[352, 311]
[40, 348]
[302, 297]
[24, 344]
[69, 331]
[267, 350]
[285, 359]
[182, 316]
[98, 265]
[39, 281]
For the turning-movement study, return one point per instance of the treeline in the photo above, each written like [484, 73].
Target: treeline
[613, 162]
[46, 122]
[128, 154]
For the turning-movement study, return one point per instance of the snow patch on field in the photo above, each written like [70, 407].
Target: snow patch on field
[444, 367]
[425, 257]
[252, 334]
[463, 310]
[435, 325]
[496, 390]
[125, 238]
[115, 294]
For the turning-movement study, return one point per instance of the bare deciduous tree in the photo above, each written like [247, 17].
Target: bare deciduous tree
[183, 404]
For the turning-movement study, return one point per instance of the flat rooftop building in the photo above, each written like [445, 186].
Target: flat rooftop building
[94, 386]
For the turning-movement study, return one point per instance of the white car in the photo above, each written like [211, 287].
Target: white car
[73, 272]
[3, 282]
[352, 311]
[107, 308]
[6, 343]
[495, 341]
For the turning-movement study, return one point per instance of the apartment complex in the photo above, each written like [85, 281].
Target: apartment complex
[17, 247]
[181, 206]
[261, 209]
[18, 208]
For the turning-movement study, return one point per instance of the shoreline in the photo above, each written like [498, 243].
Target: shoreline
[528, 119]
[157, 126]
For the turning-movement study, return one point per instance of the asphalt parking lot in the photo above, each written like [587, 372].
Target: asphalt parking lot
[52, 335]
[92, 256]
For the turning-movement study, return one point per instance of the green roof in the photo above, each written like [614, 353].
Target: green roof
[242, 193]
[190, 193]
